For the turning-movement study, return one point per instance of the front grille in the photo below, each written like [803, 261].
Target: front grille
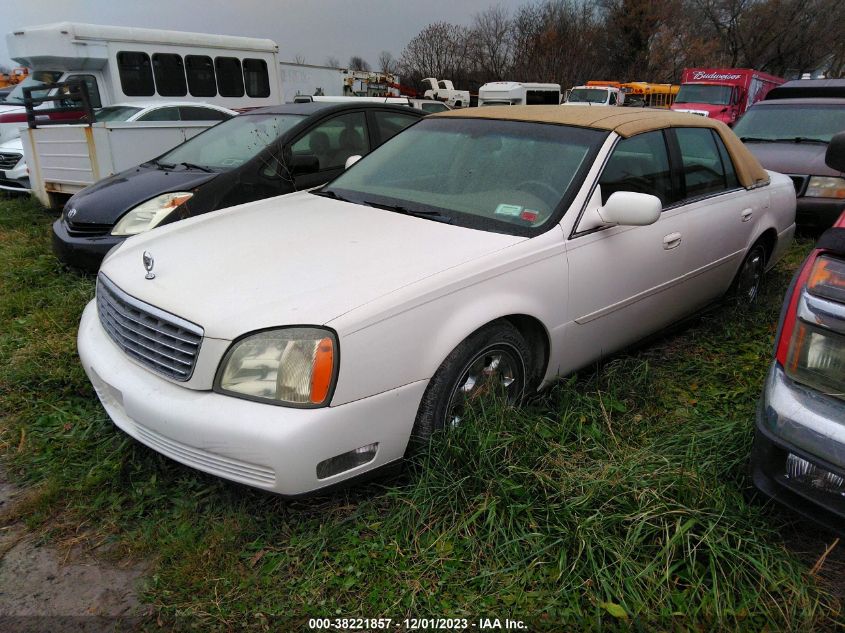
[85, 229]
[8, 160]
[800, 183]
[157, 339]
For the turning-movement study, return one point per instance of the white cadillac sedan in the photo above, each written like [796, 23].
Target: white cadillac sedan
[296, 342]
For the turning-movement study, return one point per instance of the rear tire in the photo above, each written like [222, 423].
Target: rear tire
[749, 279]
[495, 358]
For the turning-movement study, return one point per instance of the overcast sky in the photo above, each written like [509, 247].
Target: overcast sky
[314, 29]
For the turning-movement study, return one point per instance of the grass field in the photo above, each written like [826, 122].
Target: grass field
[615, 499]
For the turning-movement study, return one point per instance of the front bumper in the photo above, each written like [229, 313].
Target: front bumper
[261, 445]
[798, 420]
[85, 253]
[818, 213]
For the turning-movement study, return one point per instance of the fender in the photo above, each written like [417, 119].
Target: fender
[528, 278]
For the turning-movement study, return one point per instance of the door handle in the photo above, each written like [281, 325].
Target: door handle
[673, 240]
[746, 214]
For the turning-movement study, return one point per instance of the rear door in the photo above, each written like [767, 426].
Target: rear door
[720, 212]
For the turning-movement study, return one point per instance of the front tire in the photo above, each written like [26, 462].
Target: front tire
[495, 360]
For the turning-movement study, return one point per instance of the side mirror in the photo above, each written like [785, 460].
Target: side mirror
[835, 156]
[299, 164]
[631, 209]
[352, 160]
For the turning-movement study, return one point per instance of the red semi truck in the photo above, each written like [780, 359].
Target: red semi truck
[722, 93]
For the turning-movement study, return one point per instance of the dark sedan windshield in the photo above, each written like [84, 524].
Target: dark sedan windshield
[791, 122]
[231, 143]
[504, 176]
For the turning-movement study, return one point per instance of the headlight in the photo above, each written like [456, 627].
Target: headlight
[826, 187]
[293, 366]
[150, 214]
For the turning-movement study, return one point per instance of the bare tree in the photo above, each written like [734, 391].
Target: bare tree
[492, 43]
[358, 63]
[387, 63]
[439, 50]
[332, 61]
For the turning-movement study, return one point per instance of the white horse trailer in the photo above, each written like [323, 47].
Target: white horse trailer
[123, 64]
[516, 93]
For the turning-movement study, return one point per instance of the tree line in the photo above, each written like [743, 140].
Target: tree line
[572, 41]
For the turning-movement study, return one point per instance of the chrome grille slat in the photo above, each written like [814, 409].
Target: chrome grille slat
[8, 160]
[152, 349]
[164, 342]
[123, 315]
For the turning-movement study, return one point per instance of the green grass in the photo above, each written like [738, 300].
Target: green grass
[616, 498]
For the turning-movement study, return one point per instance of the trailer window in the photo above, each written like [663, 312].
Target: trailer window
[256, 79]
[169, 70]
[136, 74]
[542, 97]
[201, 81]
[230, 81]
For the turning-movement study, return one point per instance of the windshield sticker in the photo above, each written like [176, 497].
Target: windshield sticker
[512, 210]
[529, 215]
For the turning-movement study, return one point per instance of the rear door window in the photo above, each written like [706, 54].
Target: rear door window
[169, 71]
[702, 170]
[198, 113]
[639, 164]
[389, 124]
[200, 71]
[136, 74]
[161, 114]
[230, 80]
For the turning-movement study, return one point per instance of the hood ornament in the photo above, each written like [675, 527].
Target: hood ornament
[149, 262]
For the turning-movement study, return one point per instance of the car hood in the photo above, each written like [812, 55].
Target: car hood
[792, 158]
[290, 260]
[107, 200]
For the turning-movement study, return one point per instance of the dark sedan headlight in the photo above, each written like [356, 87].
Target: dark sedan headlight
[150, 214]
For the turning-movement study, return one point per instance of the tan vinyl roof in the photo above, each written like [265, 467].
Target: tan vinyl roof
[626, 122]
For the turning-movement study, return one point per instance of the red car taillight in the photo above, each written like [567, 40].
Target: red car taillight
[811, 347]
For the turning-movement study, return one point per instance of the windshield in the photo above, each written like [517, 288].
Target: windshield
[704, 93]
[233, 142]
[502, 176]
[37, 78]
[587, 95]
[115, 113]
[791, 122]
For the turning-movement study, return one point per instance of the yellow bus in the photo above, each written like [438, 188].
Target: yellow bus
[642, 93]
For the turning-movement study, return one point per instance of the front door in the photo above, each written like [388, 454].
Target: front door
[626, 281]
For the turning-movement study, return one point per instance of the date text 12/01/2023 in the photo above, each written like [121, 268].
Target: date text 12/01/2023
[417, 624]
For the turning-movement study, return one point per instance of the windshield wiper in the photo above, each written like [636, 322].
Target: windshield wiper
[802, 139]
[398, 208]
[328, 193]
[200, 167]
[161, 165]
[755, 139]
